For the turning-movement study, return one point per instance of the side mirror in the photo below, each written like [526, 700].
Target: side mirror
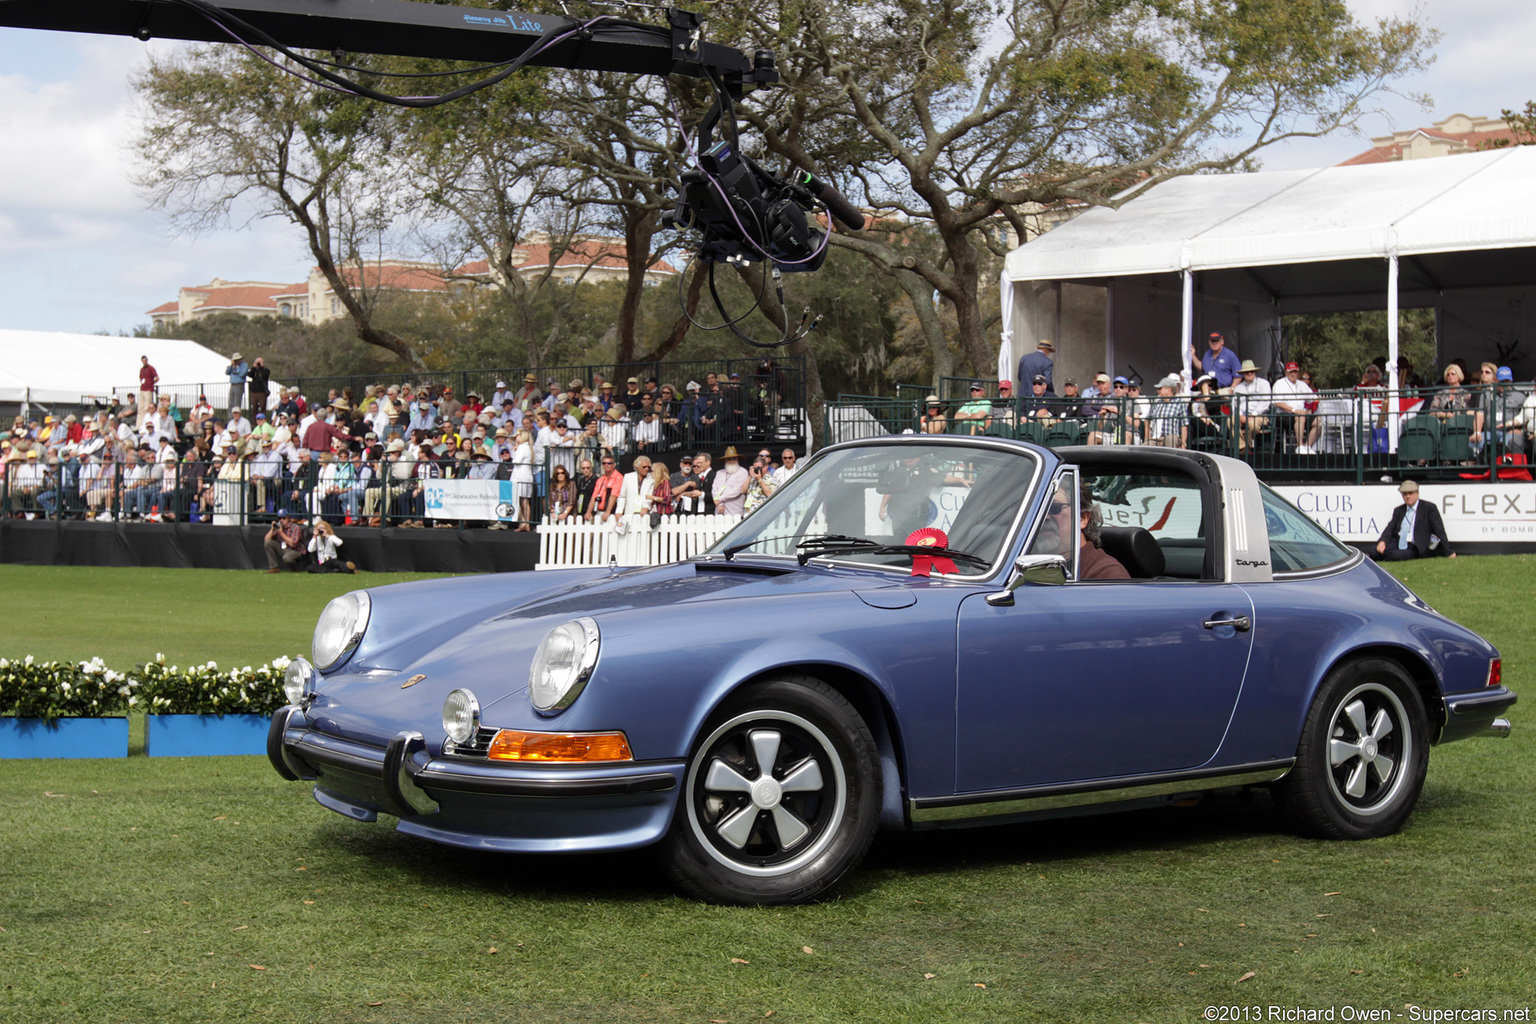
[1036, 570]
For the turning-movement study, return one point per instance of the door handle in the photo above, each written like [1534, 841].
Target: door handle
[1241, 623]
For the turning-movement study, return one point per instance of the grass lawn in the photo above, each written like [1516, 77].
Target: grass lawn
[210, 890]
[126, 616]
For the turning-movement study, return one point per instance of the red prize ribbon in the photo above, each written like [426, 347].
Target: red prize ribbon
[929, 537]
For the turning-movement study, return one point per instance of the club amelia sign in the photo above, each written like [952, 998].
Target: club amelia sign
[1473, 512]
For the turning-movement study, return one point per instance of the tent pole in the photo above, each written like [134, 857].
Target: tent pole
[1392, 379]
[1187, 327]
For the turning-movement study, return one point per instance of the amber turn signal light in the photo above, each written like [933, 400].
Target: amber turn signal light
[568, 747]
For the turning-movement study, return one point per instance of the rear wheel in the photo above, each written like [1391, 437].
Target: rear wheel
[1363, 754]
[781, 797]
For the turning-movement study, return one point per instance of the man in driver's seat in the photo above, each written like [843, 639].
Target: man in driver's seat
[1056, 533]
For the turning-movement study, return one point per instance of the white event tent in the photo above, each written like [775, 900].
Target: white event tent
[47, 368]
[1131, 288]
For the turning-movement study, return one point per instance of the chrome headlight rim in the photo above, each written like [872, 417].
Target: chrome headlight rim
[580, 671]
[361, 609]
[299, 682]
[471, 717]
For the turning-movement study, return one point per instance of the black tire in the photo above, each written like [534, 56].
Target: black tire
[787, 831]
[1363, 754]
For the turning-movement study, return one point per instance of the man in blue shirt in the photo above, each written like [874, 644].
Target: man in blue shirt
[237, 371]
[1222, 362]
[1038, 364]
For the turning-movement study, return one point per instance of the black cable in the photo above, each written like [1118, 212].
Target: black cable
[240, 30]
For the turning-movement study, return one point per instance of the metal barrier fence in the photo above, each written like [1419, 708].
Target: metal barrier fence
[1345, 435]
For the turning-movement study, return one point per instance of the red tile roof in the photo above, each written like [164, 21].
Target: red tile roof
[1470, 141]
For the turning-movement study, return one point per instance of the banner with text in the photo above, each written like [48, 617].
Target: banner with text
[1480, 512]
[470, 499]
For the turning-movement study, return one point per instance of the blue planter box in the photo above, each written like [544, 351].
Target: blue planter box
[204, 735]
[65, 737]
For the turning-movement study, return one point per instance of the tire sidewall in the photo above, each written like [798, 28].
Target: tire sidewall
[1311, 794]
[837, 728]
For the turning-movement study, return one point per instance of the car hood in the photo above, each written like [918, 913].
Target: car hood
[481, 632]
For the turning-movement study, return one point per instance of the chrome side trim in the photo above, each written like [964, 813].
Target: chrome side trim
[1046, 798]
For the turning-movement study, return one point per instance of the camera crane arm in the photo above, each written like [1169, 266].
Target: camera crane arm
[742, 212]
[407, 29]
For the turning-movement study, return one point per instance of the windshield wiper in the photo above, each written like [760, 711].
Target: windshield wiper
[835, 544]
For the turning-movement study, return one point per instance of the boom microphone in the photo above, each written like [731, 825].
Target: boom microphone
[839, 207]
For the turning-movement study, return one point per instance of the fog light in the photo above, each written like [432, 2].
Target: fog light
[298, 681]
[461, 716]
[516, 745]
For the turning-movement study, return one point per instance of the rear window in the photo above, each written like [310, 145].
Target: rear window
[1296, 543]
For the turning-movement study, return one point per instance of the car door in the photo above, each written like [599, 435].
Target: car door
[1095, 680]
[1100, 679]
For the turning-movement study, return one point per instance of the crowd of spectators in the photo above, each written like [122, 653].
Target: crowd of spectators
[366, 459]
[1220, 402]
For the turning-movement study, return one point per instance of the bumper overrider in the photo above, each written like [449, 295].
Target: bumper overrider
[469, 802]
[1476, 713]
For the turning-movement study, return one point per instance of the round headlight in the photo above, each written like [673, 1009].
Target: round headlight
[340, 628]
[298, 681]
[563, 664]
[461, 716]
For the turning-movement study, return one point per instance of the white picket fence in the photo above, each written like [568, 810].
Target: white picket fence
[631, 541]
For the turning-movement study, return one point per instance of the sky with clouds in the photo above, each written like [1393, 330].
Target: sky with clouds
[79, 251]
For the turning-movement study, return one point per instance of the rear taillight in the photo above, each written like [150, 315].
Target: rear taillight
[1495, 671]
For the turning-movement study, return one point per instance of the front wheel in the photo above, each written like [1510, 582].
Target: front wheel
[781, 797]
[1362, 757]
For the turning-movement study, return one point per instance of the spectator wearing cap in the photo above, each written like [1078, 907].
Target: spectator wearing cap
[1168, 417]
[1039, 363]
[1219, 361]
[265, 471]
[975, 416]
[149, 379]
[284, 544]
[690, 412]
[1003, 406]
[686, 480]
[1415, 529]
[1113, 417]
[238, 424]
[138, 493]
[500, 395]
[1288, 399]
[26, 482]
[1497, 409]
[1036, 405]
[1099, 388]
[449, 408]
[237, 371]
[423, 416]
[1251, 401]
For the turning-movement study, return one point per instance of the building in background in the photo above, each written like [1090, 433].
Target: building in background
[588, 260]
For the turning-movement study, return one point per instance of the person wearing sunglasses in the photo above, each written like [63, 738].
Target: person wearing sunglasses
[933, 420]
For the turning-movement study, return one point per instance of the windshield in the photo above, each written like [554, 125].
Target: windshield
[886, 494]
